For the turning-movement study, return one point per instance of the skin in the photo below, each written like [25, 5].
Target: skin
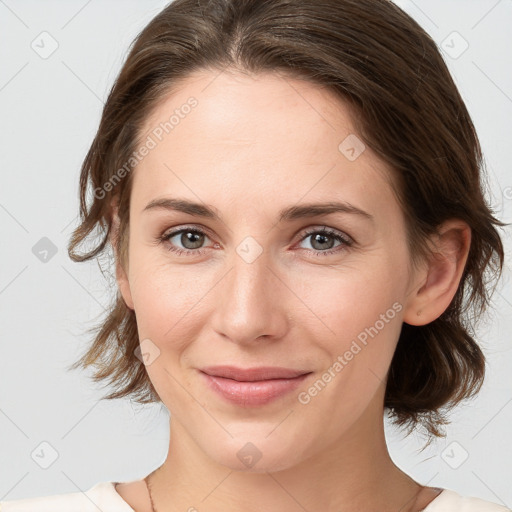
[252, 146]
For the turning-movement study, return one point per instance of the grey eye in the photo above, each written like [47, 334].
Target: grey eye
[190, 239]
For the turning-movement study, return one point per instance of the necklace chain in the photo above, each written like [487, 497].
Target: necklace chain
[153, 508]
[146, 479]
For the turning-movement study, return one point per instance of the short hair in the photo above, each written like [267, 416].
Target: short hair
[407, 109]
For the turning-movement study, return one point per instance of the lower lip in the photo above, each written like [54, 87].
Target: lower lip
[259, 392]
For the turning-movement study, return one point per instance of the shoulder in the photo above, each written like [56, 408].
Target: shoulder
[451, 501]
[102, 496]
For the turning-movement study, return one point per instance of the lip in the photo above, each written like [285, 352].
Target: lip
[253, 374]
[261, 385]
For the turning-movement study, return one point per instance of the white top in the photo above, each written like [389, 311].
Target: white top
[103, 496]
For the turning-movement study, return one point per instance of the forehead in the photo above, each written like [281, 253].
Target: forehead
[265, 137]
[239, 109]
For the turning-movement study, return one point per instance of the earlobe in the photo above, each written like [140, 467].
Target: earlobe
[121, 277]
[439, 279]
[124, 285]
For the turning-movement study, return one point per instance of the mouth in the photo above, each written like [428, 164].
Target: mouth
[253, 374]
[253, 386]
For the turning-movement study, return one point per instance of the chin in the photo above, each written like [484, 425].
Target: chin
[258, 452]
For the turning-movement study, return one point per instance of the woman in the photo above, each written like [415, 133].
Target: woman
[292, 192]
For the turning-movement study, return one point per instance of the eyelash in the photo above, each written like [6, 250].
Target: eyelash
[346, 241]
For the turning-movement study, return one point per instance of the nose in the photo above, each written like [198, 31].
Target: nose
[250, 302]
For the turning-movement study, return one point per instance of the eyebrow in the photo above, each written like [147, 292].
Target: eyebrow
[287, 214]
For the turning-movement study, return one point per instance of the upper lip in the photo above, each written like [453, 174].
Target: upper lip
[253, 374]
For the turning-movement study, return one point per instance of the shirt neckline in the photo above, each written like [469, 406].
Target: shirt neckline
[440, 497]
[110, 487]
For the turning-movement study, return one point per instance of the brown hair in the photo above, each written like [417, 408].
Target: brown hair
[408, 110]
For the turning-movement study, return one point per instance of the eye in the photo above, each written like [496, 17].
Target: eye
[322, 241]
[191, 238]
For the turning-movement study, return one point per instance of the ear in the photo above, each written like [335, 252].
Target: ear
[121, 276]
[438, 280]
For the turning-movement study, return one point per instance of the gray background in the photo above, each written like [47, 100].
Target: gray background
[50, 108]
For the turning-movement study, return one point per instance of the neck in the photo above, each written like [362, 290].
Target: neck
[355, 473]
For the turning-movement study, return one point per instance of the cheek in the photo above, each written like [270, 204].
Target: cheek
[363, 313]
[167, 306]
[351, 300]
[168, 298]
[360, 312]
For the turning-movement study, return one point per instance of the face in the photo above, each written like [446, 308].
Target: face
[315, 290]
